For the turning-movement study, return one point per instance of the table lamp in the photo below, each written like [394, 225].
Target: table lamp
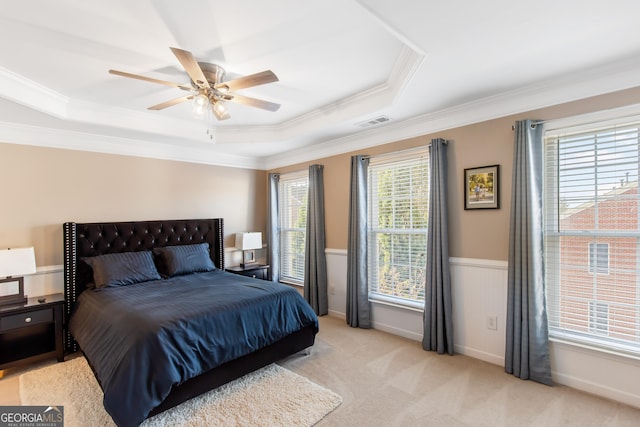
[15, 263]
[248, 242]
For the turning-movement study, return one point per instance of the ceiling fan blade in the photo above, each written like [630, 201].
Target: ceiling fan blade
[191, 66]
[220, 111]
[254, 102]
[170, 103]
[257, 79]
[149, 79]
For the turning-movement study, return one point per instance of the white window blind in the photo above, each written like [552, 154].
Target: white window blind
[592, 236]
[398, 211]
[292, 211]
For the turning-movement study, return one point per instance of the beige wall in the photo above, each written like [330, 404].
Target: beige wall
[473, 234]
[42, 188]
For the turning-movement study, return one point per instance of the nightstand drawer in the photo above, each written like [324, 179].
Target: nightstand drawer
[26, 319]
[259, 274]
[258, 271]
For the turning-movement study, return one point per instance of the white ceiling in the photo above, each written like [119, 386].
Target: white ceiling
[427, 65]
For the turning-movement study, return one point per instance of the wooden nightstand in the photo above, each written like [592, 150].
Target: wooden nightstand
[31, 331]
[259, 271]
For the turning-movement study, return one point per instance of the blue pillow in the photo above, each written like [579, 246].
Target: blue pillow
[185, 259]
[121, 269]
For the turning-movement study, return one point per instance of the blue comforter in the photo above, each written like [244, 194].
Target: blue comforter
[144, 338]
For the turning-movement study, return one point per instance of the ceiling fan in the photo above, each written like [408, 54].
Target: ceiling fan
[208, 88]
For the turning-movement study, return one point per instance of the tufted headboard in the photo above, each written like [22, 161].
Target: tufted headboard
[92, 239]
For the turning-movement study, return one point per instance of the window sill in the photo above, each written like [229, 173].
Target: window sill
[568, 341]
[292, 283]
[396, 303]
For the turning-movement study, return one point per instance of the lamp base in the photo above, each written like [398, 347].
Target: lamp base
[13, 302]
[16, 297]
[248, 258]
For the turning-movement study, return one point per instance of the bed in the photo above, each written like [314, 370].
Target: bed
[159, 320]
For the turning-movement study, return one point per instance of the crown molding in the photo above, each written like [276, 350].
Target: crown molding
[73, 140]
[404, 69]
[33, 95]
[592, 82]
[395, 32]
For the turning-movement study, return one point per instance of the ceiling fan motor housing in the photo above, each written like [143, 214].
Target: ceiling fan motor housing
[214, 73]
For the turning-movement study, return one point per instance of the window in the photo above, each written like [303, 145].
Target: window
[398, 207]
[592, 235]
[598, 258]
[292, 210]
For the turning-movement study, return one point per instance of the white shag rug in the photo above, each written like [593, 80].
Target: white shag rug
[271, 396]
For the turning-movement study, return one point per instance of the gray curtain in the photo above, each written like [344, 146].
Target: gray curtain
[315, 262]
[358, 306]
[527, 348]
[273, 236]
[438, 323]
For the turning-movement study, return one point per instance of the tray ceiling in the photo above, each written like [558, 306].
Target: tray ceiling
[425, 66]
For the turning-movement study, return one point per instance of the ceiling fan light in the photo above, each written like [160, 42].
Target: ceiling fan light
[219, 108]
[200, 105]
[201, 99]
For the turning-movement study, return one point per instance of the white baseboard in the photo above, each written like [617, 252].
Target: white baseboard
[397, 331]
[597, 389]
[338, 314]
[478, 354]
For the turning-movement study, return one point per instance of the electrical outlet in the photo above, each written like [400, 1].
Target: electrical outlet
[332, 290]
[492, 323]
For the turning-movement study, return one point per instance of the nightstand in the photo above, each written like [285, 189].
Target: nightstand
[31, 331]
[259, 271]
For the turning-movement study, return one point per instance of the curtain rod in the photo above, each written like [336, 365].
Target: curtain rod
[404, 151]
[541, 122]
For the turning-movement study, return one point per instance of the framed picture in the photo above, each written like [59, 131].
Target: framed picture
[482, 187]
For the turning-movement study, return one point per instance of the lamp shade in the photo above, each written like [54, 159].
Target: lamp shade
[17, 262]
[248, 241]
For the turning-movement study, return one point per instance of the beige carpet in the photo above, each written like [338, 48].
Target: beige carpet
[272, 396]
